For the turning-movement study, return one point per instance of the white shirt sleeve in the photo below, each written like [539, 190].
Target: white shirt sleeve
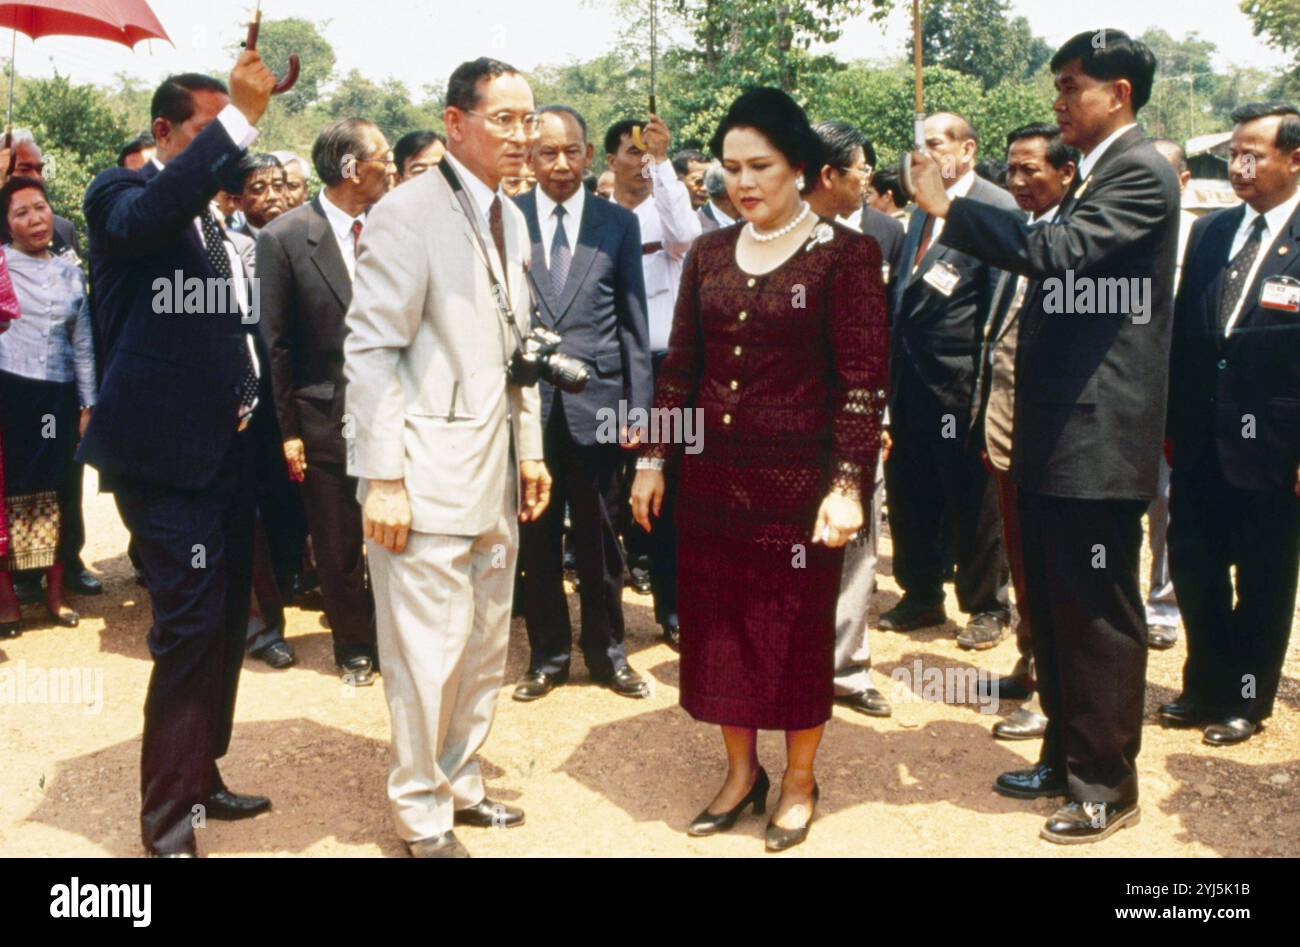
[237, 126]
[680, 223]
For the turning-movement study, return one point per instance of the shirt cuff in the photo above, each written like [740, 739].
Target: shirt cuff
[237, 127]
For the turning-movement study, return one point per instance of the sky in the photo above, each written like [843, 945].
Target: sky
[421, 41]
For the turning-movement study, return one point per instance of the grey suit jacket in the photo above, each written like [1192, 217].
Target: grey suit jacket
[425, 360]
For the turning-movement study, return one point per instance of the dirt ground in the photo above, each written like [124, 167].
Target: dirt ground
[598, 774]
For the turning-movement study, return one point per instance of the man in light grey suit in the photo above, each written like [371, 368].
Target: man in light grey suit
[436, 433]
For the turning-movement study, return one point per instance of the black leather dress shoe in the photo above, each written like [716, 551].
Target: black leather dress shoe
[625, 682]
[1024, 724]
[778, 839]
[490, 815]
[278, 655]
[445, 845]
[1230, 731]
[708, 823]
[1162, 638]
[641, 581]
[358, 671]
[537, 684]
[870, 702]
[230, 807]
[909, 616]
[1034, 783]
[65, 616]
[1079, 822]
[82, 582]
[11, 629]
[673, 636]
[1182, 711]
[1008, 688]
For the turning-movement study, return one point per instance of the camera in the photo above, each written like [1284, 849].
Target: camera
[538, 358]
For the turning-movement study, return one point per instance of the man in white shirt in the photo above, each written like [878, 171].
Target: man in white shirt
[306, 261]
[646, 184]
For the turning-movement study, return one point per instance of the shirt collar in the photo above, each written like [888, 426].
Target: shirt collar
[723, 218]
[339, 220]
[156, 163]
[1047, 216]
[963, 185]
[572, 207]
[1091, 158]
[1274, 219]
[479, 192]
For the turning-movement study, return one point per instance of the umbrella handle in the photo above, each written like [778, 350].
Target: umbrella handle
[287, 82]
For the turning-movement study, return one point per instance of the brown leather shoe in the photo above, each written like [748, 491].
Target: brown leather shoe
[1024, 724]
[445, 845]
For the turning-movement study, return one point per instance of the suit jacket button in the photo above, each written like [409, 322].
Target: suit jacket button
[737, 350]
[752, 282]
[1223, 363]
[735, 385]
[743, 315]
[726, 419]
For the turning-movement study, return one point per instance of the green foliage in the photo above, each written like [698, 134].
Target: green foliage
[387, 104]
[977, 37]
[278, 38]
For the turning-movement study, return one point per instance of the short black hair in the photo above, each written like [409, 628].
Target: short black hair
[568, 110]
[1111, 54]
[137, 144]
[992, 170]
[682, 160]
[12, 187]
[174, 99]
[617, 131]
[1058, 152]
[779, 118]
[839, 139]
[411, 144]
[888, 182]
[338, 142]
[1288, 130]
[462, 87]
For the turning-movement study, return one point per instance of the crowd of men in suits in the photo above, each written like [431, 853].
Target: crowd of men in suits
[349, 415]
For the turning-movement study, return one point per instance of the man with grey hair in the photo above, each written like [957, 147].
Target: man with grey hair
[718, 212]
[306, 260]
[297, 175]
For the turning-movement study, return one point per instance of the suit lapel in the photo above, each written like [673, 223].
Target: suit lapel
[593, 221]
[527, 203]
[327, 255]
[1280, 259]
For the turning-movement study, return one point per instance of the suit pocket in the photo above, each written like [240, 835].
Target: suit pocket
[609, 363]
[323, 391]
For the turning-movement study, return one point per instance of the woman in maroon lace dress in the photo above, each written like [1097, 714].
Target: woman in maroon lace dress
[779, 345]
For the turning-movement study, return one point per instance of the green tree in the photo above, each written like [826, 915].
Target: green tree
[278, 39]
[388, 104]
[980, 39]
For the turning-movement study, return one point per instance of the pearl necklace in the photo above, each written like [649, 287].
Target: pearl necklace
[778, 234]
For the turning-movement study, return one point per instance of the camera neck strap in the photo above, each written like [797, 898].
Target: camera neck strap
[500, 295]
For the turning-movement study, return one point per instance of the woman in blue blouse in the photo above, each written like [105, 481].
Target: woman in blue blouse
[47, 388]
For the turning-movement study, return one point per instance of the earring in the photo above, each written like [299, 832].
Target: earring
[800, 183]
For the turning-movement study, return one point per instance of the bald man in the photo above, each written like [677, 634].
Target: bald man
[941, 300]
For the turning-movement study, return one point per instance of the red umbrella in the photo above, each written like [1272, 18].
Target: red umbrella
[121, 21]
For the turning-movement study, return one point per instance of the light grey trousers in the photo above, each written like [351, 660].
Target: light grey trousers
[852, 649]
[442, 613]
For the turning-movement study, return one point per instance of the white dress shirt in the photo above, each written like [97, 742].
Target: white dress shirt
[960, 188]
[721, 216]
[572, 221]
[1274, 223]
[341, 226]
[666, 217]
[1090, 160]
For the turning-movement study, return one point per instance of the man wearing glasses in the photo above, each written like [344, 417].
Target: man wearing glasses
[448, 451]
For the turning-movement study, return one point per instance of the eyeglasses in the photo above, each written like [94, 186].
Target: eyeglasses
[864, 170]
[508, 122]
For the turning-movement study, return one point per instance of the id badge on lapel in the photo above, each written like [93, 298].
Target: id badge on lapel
[943, 276]
[1280, 294]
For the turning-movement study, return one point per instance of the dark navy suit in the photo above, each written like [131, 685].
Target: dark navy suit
[1234, 423]
[601, 314]
[163, 437]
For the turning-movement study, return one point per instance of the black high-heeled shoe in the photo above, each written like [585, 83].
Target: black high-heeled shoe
[706, 823]
[779, 839]
[64, 616]
[11, 629]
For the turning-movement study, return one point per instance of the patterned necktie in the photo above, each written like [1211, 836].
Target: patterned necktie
[1234, 284]
[560, 256]
[356, 238]
[215, 246]
[498, 229]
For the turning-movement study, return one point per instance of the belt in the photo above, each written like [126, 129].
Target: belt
[649, 248]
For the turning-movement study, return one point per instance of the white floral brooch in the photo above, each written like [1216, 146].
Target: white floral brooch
[822, 233]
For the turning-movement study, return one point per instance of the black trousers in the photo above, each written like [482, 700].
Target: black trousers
[930, 478]
[197, 552]
[72, 524]
[1235, 650]
[660, 545]
[589, 479]
[334, 519]
[1090, 638]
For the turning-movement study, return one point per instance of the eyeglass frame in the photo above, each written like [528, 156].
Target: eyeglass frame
[521, 123]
